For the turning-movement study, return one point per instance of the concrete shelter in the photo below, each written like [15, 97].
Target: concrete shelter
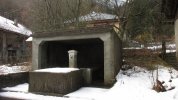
[170, 8]
[98, 48]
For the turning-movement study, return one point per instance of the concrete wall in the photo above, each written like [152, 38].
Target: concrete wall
[118, 53]
[112, 55]
[113, 49]
[13, 79]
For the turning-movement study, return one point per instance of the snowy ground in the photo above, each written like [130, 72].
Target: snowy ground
[133, 84]
[4, 69]
[170, 47]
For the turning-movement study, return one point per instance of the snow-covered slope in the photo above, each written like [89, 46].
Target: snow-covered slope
[137, 83]
[9, 25]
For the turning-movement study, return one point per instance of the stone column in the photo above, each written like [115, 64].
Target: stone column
[72, 58]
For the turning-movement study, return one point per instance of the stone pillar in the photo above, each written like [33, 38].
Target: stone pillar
[72, 58]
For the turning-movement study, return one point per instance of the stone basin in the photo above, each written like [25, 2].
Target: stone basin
[55, 80]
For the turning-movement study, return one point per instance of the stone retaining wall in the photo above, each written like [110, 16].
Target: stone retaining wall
[13, 79]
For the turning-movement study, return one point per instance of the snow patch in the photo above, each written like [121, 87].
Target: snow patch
[96, 16]
[19, 88]
[9, 25]
[29, 39]
[57, 70]
[4, 69]
[87, 93]
[136, 84]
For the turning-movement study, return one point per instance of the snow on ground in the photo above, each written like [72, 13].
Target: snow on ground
[30, 96]
[20, 91]
[137, 85]
[9, 25]
[4, 69]
[133, 84]
[19, 88]
[170, 47]
[57, 70]
[96, 16]
[89, 93]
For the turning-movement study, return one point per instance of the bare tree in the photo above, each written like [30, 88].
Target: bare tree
[53, 14]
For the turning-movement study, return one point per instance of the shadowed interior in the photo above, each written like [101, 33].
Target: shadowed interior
[90, 55]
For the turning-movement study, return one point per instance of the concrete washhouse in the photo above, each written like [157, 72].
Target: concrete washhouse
[97, 49]
[170, 9]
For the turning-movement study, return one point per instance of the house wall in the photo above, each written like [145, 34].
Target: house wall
[11, 41]
[4, 46]
[111, 49]
[118, 53]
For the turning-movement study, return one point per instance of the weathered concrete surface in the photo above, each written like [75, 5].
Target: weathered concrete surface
[57, 83]
[112, 48]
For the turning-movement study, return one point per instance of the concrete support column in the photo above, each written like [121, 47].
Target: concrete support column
[109, 77]
[35, 55]
[72, 58]
[176, 36]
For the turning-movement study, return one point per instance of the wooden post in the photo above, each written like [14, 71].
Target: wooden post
[4, 48]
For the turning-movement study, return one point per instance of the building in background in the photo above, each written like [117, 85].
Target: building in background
[13, 47]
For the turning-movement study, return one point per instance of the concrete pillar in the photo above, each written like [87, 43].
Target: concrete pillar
[176, 36]
[109, 71]
[72, 58]
[36, 59]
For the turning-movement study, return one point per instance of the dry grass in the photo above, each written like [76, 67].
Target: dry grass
[144, 58]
